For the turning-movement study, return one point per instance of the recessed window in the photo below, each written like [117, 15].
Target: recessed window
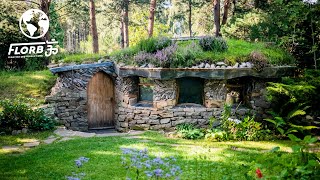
[190, 90]
[145, 89]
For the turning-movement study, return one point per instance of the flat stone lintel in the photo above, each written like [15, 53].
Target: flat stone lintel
[172, 73]
[81, 66]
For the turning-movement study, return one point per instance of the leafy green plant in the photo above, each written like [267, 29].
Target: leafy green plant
[151, 45]
[17, 114]
[302, 163]
[185, 56]
[210, 43]
[285, 126]
[189, 131]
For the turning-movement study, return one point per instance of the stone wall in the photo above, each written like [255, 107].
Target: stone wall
[69, 96]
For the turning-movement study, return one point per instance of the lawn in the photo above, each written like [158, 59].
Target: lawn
[198, 159]
[35, 84]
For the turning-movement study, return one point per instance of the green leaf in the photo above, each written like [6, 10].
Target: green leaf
[294, 138]
[298, 112]
[296, 148]
[270, 120]
[280, 130]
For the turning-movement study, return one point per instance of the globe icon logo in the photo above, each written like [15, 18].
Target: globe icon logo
[34, 23]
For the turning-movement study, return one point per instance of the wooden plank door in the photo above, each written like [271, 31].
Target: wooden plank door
[100, 93]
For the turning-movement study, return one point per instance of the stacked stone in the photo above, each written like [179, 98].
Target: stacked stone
[215, 93]
[152, 118]
[70, 108]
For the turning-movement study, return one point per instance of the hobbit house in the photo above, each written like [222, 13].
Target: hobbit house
[105, 95]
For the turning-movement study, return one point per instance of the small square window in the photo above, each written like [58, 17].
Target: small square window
[190, 90]
[145, 89]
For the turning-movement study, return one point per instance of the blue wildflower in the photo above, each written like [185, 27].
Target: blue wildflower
[158, 172]
[78, 163]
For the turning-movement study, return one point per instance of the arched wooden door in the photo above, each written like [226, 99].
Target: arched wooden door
[100, 93]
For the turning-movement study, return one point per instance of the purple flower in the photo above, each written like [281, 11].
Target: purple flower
[148, 173]
[78, 163]
[84, 159]
[158, 172]
[158, 160]
[73, 178]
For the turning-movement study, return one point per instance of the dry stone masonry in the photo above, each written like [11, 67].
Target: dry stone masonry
[69, 95]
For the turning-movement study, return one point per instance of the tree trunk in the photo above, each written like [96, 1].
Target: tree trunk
[126, 23]
[121, 34]
[44, 6]
[225, 11]
[95, 41]
[190, 18]
[216, 5]
[153, 4]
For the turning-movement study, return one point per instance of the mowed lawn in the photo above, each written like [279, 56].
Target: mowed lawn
[198, 159]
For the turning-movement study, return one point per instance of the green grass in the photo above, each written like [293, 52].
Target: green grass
[77, 58]
[198, 159]
[239, 50]
[35, 84]
[6, 140]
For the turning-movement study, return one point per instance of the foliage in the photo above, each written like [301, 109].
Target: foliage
[285, 125]
[259, 60]
[185, 55]
[189, 131]
[189, 53]
[235, 129]
[17, 114]
[138, 164]
[36, 84]
[124, 55]
[216, 44]
[246, 26]
[296, 92]
[56, 31]
[152, 44]
[80, 58]
[10, 33]
[301, 164]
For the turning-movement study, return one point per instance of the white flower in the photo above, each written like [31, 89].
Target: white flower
[310, 1]
[237, 121]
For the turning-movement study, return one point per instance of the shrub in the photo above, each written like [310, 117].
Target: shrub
[210, 43]
[164, 57]
[258, 60]
[163, 42]
[16, 114]
[143, 58]
[185, 56]
[151, 45]
[189, 131]
[124, 54]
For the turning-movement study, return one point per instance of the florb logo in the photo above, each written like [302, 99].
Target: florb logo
[34, 24]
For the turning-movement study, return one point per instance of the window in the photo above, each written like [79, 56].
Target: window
[190, 90]
[145, 89]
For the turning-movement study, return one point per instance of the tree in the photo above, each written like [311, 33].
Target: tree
[216, 6]
[153, 4]
[225, 11]
[93, 24]
[125, 21]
